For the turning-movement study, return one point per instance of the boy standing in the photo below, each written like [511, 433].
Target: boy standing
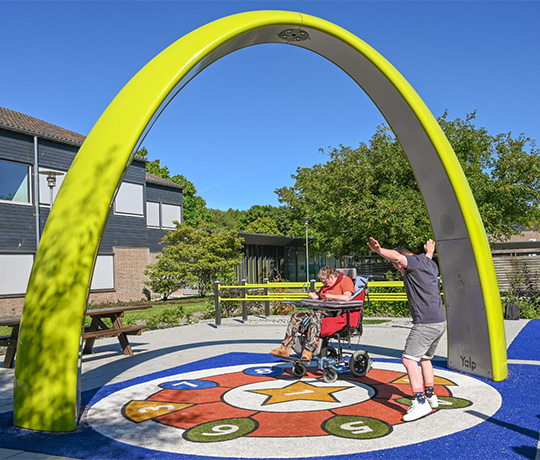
[421, 280]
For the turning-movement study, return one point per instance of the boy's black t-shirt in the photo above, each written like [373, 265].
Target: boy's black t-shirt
[421, 280]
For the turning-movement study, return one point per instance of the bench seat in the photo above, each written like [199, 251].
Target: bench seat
[120, 332]
[129, 330]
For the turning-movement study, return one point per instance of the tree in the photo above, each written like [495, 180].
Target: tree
[254, 213]
[194, 257]
[225, 220]
[267, 218]
[264, 225]
[167, 275]
[372, 191]
[503, 173]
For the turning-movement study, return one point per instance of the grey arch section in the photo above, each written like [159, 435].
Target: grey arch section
[469, 346]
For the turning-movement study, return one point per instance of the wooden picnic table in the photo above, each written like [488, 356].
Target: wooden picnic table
[10, 341]
[96, 328]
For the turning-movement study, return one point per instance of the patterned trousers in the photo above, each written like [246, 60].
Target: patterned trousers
[307, 323]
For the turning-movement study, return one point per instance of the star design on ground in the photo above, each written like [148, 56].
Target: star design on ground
[299, 391]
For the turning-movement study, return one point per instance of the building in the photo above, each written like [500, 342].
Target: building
[34, 158]
[517, 260]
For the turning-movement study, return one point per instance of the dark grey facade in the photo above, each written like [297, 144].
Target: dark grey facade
[28, 147]
[18, 222]
[123, 230]
[158, 191]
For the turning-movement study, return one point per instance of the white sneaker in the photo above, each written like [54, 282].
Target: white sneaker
[416, 411]
[433, 401]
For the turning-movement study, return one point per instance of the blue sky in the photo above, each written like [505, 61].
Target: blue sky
[64, 62]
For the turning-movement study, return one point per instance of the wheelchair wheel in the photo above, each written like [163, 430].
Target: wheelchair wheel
[299, 369]
[329, 352]
[330, 375]
[359, 363]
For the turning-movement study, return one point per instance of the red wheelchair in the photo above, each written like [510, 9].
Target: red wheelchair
[343, 326]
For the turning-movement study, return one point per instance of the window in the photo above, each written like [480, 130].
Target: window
[170, 213]
[129, 200]
[103, 277]
[152, 214]
[14, 183]
[45, 191]
[14, 273]
[159, 215]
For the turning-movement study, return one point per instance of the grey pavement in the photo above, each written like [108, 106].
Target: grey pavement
[162, 349]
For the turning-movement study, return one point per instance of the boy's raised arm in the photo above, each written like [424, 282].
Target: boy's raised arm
[389, 254]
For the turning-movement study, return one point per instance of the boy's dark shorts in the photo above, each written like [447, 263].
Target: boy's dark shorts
[423, 340]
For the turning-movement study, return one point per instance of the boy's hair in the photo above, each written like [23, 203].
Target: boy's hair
[327, 271]
[404, 251]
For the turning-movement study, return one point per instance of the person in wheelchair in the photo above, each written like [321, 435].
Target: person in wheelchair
[337, 286]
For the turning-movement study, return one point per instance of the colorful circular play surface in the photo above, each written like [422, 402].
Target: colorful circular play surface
[249, 406]
[263, 411]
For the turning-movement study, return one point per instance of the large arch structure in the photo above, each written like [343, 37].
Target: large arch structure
[48, 362]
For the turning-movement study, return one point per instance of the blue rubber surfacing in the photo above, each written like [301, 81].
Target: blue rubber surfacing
[527, 344]
[512, 432]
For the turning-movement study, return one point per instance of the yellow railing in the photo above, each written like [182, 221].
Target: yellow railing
[386, 296]
[294, 292]
[299, 291]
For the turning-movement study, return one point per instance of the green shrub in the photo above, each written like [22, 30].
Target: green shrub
[168, 318]
[387, 309]
[233, 308]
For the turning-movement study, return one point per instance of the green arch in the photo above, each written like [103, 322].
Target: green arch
[47, 368]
